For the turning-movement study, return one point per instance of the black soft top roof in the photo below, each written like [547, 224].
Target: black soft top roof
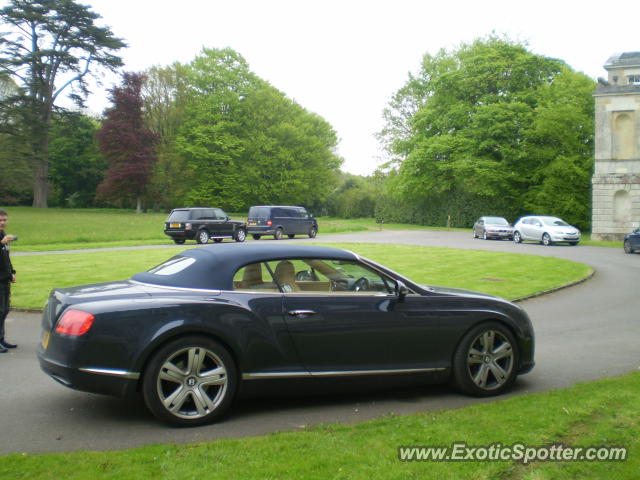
[216, 265]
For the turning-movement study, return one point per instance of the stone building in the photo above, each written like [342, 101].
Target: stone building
[616, 179]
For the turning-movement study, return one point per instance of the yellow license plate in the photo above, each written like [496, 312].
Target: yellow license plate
[251, 223]
[45, 339]
[175, 225]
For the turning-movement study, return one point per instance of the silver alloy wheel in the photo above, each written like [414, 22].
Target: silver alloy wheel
[546, 239]
[516, 237]
[490, 360]
[192, 383]
[203, 236]
[627, 247]
[484, 235]
[241, 235]
[278, 234]
[313, 232]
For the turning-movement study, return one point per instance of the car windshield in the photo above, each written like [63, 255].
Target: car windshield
[554, 222]
[495, 221]
[178, 216]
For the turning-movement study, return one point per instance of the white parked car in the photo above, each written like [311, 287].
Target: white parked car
[547, 230]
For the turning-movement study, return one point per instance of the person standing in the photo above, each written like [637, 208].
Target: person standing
[7, 277]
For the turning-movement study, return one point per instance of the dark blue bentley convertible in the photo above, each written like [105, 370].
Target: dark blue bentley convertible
[209, 323]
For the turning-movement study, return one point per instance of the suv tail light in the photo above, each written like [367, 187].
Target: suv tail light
[75, 323]
[269, 222]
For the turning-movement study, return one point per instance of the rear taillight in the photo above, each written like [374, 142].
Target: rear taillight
[269, 222]
[75, 323]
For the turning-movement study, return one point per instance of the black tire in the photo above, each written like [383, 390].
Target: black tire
[627, 247]
[484, 235]
[517, 237]
[256, 237]
[240, 235]
[573, 244]
[200, 395]
[486, 360]
[278, 234]
[475, 235]
[217, 240]
[291, 235]
[313, 231]
[202, 236]
[546, 240]
[178, 241]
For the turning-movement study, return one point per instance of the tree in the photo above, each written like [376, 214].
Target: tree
[467, 133]
[127, 145]
[51, 46]
[76, 164]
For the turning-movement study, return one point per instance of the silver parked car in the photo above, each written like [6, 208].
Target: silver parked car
[492, 227]
[547, 230]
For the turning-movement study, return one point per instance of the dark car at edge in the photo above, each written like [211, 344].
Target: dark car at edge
[631, 241]
[215, 322]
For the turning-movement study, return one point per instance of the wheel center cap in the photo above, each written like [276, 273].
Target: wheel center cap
[487, 359]
[191, 381]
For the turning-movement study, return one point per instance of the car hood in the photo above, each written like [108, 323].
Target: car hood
[457, 291]
[560, 228]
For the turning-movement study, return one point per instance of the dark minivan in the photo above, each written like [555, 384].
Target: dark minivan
[279, 221]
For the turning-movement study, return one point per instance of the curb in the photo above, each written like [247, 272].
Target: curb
[556, 289]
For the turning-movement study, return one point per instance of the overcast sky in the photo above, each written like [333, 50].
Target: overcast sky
[344, 59]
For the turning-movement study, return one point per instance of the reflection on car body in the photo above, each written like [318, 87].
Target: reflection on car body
[212, 322]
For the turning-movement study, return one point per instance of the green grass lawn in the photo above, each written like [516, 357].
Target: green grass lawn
[602, 414]
[506, 275]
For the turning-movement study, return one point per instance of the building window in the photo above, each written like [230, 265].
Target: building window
[634, 79]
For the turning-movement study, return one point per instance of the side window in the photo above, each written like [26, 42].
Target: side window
[277, 212]
[329, 277]
[254, 277]
[218, 214]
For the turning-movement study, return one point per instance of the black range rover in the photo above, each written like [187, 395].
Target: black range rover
[279, 221]
[203, 224]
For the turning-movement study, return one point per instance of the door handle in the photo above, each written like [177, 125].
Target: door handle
[301, 313]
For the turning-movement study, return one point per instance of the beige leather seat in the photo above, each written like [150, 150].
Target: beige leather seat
[286, 276]
[252, 276]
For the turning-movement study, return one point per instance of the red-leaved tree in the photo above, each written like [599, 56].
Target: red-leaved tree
[127, 145]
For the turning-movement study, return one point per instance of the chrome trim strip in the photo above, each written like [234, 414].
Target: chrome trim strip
[339, 373]
[112, 372]
[183, 289]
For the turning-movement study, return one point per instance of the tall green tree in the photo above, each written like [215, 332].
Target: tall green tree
[77, 167]
[51, 46]
[469, 130]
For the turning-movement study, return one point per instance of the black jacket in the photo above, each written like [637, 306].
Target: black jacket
[6, 269]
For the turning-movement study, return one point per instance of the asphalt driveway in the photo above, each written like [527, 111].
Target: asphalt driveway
[583, 333]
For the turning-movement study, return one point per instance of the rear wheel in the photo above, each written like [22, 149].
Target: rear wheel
[217, 240]
[485, 362]
[190, 381]
[291, 236]
[241, 235]
[278, 234]
[256, 237]
[202, 236]
[178, 241]
[546, 239]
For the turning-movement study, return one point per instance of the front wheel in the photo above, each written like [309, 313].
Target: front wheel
[546, 240]
[485, 362]
[202, 236]
[178, 241]
[313, 231]
[241, 235]
[627, 247]
[517, 237]
[190, 381]
[256, 237]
